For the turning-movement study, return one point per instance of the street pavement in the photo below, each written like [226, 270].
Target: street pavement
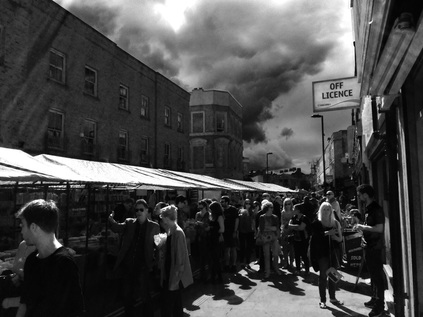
[245, 294]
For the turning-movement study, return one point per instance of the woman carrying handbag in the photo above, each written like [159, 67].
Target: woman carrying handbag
[325, 229]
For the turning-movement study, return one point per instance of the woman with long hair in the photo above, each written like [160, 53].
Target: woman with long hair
[287, 254]
[325, 230]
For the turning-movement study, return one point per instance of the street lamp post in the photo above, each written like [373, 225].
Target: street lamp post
[267, 165]
[323, 147]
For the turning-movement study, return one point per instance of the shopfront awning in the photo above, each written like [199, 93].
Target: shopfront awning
[262, 187]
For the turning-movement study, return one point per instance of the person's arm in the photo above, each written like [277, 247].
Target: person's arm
[114, 225]
[221, 227]
[376, 228]
[236, 227]
[21, 310]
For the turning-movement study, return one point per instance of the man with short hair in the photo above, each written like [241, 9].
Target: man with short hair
[181, 203]
[373, 238]
[51, 286]
[230, 236]
[136, 256]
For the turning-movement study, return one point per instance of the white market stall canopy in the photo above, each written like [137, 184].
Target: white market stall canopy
[263, 187]
[111, 173]
[205, 179]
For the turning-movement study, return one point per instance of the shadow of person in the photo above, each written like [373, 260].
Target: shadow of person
[244, 282]
[342, 311]
[287, 283]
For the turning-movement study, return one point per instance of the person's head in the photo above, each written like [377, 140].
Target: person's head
[180, 201]
[256, 205]
[38, 217]
[157, 208]
[365, 192]
[298, 209]
[265, 196]
[202, 204]
[287, 204]
[224, 200]
[267, 207]
[141, 210]
[247, 203]
[128, 203]
[356, 216]
[330, 195]
[216, 210]
[278, 199]
[169, 214]
[326, 215]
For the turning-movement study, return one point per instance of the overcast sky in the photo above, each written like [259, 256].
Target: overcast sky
[266, 53]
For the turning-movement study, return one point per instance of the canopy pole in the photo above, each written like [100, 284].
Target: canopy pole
[66, 238]
[107, 217]
[15, 206]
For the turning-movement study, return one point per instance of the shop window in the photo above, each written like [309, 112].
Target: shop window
[167, 117]
[123, 151]
[144, 150]
[89, 136]
[180, 122]
[198, 157]
[220, 122]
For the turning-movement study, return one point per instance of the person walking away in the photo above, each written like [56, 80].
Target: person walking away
[202, 223]
[373, 240]
[217, 229]
[287, 258]
[300, 224]
[325, 230]
[231, 217]
[136, 258]
[246, 233]
[51, 287]
[176, 271]
[269, 229]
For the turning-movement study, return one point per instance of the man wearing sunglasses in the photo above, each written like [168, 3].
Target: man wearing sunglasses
[136, 257]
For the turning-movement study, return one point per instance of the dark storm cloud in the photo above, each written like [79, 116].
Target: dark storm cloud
[287, 133]
[254, 49]
[98, 15]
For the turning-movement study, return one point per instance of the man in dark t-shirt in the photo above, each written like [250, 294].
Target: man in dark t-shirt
[230, 236]
[51, 285]
[373, 238]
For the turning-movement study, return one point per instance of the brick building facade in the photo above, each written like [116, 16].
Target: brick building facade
[216, 134]
[66, 89]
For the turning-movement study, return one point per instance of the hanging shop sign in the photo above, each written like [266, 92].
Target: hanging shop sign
[336, 94]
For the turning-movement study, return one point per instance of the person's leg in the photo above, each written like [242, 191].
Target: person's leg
[145, 287]
[275, 256]
[128, 290]
[266, 256]
[375, 267]
[297, 252]
[242, 247]
[323, 266]
[249, 247]
[304, 247]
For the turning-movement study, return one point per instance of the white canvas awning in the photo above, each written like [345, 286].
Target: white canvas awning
[263, 187]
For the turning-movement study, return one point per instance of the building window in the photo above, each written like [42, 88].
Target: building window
[145, 105]
[90, 85]
[198, 157]
[2, 44]
[55, 129]
[57, 66]
[123, 97]
[167, 116]
[144, 150]
[166, 157]
[180, 120]
[180, 161]
[197, 122]
[89, 135]
[220, 121]
[123, 145]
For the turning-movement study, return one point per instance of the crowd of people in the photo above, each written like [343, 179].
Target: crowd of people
[278, 233]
